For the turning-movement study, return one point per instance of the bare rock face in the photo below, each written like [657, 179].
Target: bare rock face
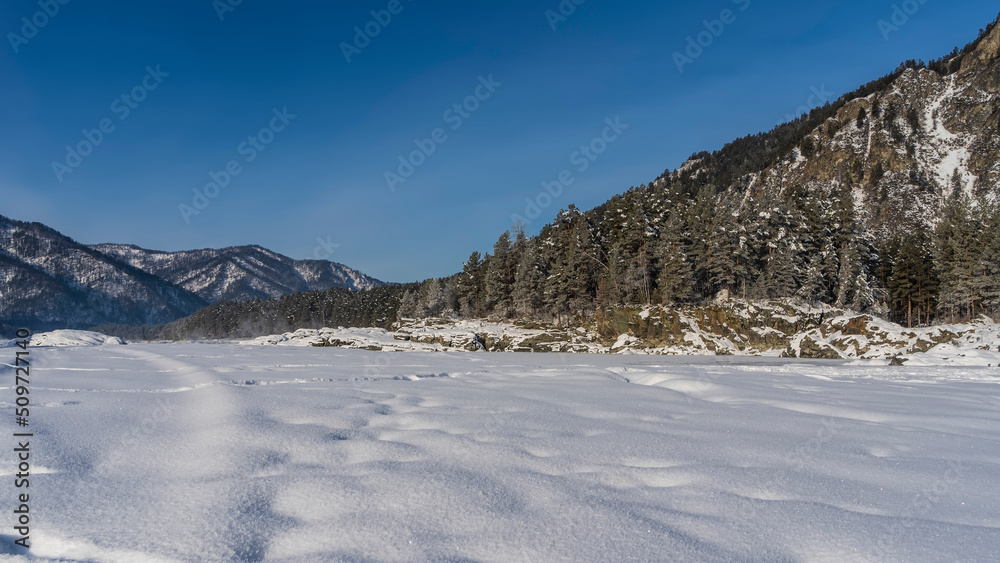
[987, 52]
[902, 150]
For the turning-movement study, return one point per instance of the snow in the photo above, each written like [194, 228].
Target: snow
[843, 334]
[953, 154]
[226, 452]
[74, 338]
[436, 335]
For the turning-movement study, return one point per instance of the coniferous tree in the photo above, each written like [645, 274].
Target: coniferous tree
[957, 255]
[987, 277]
[469, 286]
[500, 277]
[903, 284]
[700, 219]
[726, 263]
[675, 277]
[528, 283]
[612, 277]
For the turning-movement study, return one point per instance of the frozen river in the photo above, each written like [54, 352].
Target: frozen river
[222, 452]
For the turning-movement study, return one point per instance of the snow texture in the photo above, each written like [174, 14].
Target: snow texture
[223, 452]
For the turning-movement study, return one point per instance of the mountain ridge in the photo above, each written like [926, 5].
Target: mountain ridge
[239, 273]
[51, 281]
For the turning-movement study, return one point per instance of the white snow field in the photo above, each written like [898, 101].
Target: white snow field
[223, 452]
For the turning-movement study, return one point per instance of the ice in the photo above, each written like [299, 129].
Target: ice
[225, 452]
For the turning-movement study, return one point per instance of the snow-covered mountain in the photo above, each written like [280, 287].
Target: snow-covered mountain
[902, 146]
[240, 273]
[49, 281]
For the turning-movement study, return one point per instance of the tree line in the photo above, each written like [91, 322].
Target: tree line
[661, 245]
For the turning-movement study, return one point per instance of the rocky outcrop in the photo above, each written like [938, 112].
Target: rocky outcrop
[902, 150]
[773, 328]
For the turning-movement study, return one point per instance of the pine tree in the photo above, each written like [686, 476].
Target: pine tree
[724, 265]
[699, 221]
[408, 306]
[855, 252]
[612, 277]
[957, 255]
[905, 283]
[434, 298]
[571, 284]
[500, 277]
[675, 276]
[987, 277]
[633, 243]
[813, 282]
[469, 287]
[780, 276]
[528, 283]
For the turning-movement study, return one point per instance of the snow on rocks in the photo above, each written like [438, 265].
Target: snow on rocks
[735, 328]
[74, 338]
[442, 335]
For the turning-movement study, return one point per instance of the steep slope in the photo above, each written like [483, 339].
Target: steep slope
[240, 273]
[901, 149]
[50, 281]
[886, 201]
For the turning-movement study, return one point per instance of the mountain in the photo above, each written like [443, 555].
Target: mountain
[902, 148]
[51, 281]
[885, 201]
[241, 273]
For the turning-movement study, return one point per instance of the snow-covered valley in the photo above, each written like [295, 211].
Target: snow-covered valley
[227, 452]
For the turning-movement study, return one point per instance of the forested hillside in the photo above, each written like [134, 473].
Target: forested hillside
[884, 201]
[376, 307]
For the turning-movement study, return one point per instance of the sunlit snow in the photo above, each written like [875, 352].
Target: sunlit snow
[222, 452]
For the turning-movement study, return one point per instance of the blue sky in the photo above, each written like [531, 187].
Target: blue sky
[217, 82]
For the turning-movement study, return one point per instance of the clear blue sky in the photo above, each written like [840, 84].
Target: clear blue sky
[323, 175]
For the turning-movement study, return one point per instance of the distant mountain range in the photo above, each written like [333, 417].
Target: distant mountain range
[48, 280]
[239, 273]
